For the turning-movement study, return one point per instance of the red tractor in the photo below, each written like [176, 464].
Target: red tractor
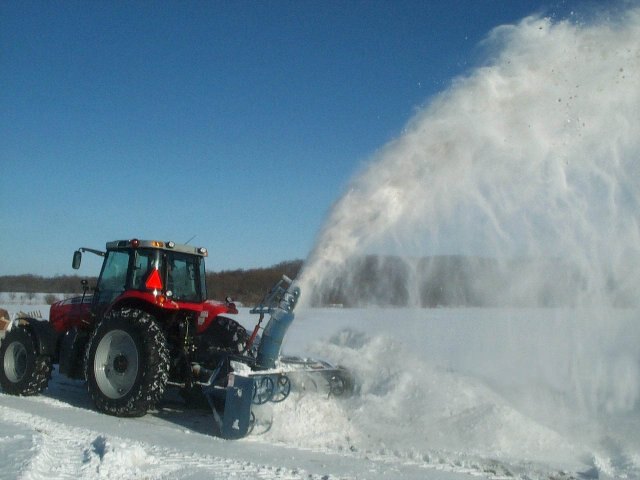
[148, 325]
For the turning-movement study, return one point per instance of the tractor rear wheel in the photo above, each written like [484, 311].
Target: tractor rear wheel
[127, 363]
[22, 370]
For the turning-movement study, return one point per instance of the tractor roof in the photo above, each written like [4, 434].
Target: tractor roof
[160, 245]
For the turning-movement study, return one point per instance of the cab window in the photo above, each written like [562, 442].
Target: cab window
[145, 262]
[113, 278]
[183, 277]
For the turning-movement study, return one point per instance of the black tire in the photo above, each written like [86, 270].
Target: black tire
[22, 370]
[224, 334]
[127, 363]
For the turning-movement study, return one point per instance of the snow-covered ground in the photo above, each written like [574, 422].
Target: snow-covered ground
[442, 394]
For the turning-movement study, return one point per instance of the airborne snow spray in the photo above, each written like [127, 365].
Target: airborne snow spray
[517, 188]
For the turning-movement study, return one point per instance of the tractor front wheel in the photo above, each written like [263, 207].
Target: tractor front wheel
[127, 363]
[22, 370]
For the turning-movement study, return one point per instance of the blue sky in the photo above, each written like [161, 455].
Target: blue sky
[239, 123]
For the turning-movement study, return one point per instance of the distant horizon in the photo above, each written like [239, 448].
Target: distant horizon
[77, 273]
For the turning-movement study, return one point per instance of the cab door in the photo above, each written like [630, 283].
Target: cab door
[112, 281]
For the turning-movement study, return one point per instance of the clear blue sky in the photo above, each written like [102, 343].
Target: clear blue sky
[237, 122]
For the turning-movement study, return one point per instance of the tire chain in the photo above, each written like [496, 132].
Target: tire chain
[158, 367]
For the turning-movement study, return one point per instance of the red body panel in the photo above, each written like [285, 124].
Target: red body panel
[69, 313]
[76, 312]
[210, 310]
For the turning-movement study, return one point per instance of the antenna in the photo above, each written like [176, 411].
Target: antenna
[187, 242]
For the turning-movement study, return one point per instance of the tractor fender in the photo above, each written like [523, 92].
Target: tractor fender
[43, 333]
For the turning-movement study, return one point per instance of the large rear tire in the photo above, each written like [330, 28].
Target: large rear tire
[22, 370]
[224, 334]
[127, 363]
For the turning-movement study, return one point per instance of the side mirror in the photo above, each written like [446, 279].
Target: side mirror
[77, 258]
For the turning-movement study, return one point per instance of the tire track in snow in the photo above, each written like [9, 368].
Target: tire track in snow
[65, 452]
[15, 446]
[61, 451]
[84, 444]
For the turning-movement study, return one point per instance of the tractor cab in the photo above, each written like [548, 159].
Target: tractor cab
[163, 275]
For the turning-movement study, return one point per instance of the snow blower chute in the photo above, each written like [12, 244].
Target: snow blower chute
[232, 403]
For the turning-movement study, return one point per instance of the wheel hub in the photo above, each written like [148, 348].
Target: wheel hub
[120, 364]
[15, 362]
[116, 364]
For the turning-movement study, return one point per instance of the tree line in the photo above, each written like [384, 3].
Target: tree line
[244, 286]
[437, 281]
[249, 286]
[468, 281]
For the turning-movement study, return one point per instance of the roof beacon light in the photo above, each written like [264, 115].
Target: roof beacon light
[154, 282]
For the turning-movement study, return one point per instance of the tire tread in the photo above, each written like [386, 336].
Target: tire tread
[154, 364]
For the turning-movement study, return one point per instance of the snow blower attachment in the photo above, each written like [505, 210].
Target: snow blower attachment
[232, 403]
[304, 374]
[271, 377]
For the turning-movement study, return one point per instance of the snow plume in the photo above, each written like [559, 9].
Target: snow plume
[519, 186]
[531, 160]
